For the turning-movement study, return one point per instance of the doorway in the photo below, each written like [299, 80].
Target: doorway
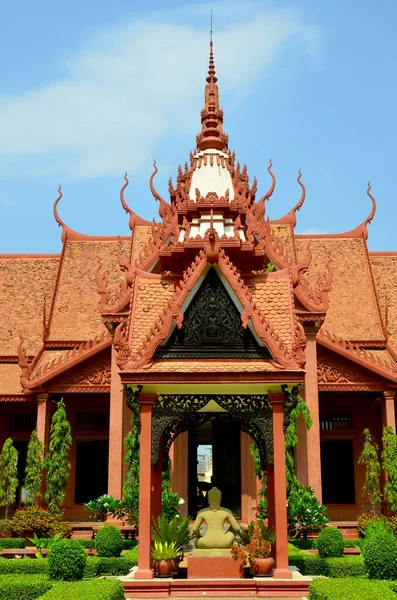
[214, 460]
[91, 470]
[337, 471]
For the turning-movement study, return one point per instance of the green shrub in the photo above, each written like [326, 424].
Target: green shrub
[330, 543]
[346, 566]
[109, 541]
[98, 589]
[351, 542]
[97, 566]
[12, 543]
[350, 589]
[66, 560]
[380, 556]
[15, 587]
[129, 544]
[83, 543]
[5, 527]
[303, 544]
[132, 555]
[22, 566]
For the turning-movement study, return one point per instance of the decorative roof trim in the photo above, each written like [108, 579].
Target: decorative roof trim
[134, 219]
[62, 363]
[164, 208]
[359, 355]
[290, 217]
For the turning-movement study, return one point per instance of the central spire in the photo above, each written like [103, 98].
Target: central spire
[212, 135]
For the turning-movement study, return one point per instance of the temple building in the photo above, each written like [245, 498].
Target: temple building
[207, 319]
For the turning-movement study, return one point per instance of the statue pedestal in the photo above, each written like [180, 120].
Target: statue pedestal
[214, 564]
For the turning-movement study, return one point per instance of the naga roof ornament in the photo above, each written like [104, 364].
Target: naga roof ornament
[134, 219]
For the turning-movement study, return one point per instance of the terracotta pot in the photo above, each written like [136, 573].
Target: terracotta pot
[262, 567]
[163, 568]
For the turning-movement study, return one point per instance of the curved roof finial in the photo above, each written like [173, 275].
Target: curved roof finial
[373, 210]
[164, 206]
[56, 215]
[290, 217]
[271, 188]
[134, 219]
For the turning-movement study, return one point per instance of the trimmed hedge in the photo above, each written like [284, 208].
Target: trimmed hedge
[350, 589]
[312, 544]
[345, 566]
[109, 542]
[12, 543]
[83, 543]
[97, 566]
[98, 589]
[15, 587]
[22, 566]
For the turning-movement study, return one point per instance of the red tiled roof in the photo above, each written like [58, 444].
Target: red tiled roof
[353, 310]
[10, 379]
[385, 274]
[24, 284]
[76, 315]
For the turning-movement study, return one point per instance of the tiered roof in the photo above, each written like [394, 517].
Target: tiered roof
[137, 288]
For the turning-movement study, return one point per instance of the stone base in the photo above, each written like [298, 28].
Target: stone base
[225, 553]
[214, 567]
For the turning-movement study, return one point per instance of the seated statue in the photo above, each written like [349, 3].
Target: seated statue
[215, 517]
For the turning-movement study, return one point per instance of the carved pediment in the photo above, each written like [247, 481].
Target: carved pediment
[336, 372]
[93, 374]
[212, 328]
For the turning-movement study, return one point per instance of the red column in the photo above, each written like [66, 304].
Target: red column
[156, 484]
[313, 451]
[179, 455]
[270, 495]
[145, 488]
[280, 488]
[388, 409]
[116, 430]
[43, 417]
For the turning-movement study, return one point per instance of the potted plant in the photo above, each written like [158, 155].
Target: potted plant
[254, 547]
[174, 531]
[163, 555]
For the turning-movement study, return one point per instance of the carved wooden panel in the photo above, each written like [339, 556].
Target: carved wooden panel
[335, 372]
[93, 373]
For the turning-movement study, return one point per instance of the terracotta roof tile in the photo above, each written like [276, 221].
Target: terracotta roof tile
[76, 315]
[24, 283]
[385, 274]
[353, 313]
[273, 298]
[151, 296]
[210, 366]
[10, 379]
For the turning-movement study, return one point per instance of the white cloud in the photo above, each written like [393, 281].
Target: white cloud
[133, 84]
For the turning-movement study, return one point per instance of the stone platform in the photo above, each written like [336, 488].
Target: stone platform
[297, 587]
[220, 567]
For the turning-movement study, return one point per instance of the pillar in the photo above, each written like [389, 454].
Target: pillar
[300, 454]
[270, 496]
[43, 417]
[144, 570]
[280, 488]
[248, 479]
[157, 477]
[311, 437]
[116, 431]
[388, 409]
[179, 454]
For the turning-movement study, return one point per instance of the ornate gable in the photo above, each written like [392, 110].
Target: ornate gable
[212, 328]
[336, 373]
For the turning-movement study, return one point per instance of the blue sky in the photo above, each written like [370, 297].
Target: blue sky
[90, 89]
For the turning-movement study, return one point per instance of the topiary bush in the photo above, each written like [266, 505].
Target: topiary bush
[12, 543]
[97, 566]
[66, 560]
[83, 543]
[109, 541]
[330, 543]
[346, 566]
[108, 589]
[15, 587]
[380, 556]
[350, 589]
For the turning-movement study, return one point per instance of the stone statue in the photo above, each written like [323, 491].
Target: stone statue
[215, 517]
